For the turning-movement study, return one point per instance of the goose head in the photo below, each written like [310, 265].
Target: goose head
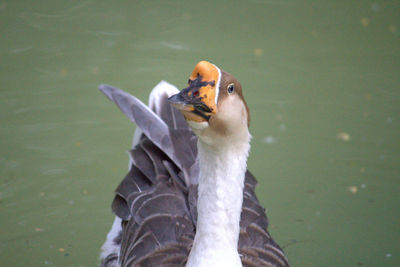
[213, 105]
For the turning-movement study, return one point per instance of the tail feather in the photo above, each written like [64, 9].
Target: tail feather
[165, 127]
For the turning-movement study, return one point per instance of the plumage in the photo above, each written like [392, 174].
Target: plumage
[156, 203]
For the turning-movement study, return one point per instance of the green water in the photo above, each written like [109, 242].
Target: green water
[321, 79]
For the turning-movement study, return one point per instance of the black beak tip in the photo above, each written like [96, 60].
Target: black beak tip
[175, 99]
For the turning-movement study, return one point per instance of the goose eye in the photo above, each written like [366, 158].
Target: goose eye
[231, 88]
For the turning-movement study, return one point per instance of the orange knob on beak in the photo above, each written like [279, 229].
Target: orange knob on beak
[198, 102]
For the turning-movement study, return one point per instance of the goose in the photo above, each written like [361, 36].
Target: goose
[188, 198]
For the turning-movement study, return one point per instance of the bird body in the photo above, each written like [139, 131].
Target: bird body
[188, 198]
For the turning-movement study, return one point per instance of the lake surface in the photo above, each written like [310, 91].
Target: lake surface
[321, 79]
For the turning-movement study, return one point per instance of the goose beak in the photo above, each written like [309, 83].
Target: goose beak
[192, 107]
[198, 101]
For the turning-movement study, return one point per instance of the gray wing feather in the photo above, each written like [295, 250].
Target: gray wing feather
[157, 227]
[151, 124]
[256, 246]
[159, 220]
[167, 137]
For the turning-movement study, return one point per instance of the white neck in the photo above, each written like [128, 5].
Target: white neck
[219, 204]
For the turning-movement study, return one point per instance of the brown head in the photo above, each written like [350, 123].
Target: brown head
[213, 103]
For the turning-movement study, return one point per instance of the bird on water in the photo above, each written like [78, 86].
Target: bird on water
[188, 198]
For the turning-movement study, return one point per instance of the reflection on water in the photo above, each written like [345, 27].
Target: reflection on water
[322, 83]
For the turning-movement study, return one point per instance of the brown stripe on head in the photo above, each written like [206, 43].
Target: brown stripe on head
[226, 80]
[233, 116]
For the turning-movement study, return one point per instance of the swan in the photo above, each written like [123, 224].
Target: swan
[188, 198]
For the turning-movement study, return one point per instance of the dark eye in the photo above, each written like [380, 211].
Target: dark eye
[231, 88]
